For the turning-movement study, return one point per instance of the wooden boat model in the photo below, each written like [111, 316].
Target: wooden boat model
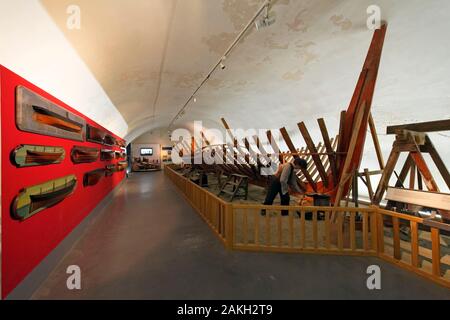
[54, 119]
[42, 157]
[107, 155]
[121, 143]
[30, 155]
[37, 198]
[84, 155]
[110, 170]
[94, 134]
[120, 155]
[122, 165]
[36, 114]
[109, 140]
[92, 178]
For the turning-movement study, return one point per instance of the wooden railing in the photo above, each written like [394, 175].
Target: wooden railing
[304, 229]
[321, 230]
[216, 212]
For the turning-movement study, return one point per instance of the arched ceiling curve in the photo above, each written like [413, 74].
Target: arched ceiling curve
[149, 56]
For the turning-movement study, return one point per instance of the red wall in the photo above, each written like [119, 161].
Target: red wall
[25, 244]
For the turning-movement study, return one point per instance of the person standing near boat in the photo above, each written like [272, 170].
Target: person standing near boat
[284, 178]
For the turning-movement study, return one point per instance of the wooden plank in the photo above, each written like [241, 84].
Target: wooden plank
[380, 230]
[373, 230]
[303, 230]
[340, 231]
[245, 227]
[436, 252]
[376, 142]
[346, 171]
[396, 232]
[361, 103]
[314, 169]
[312, 148]
[425, 171]
[274, 145]
[421, 198]
[256, 215]
[437, 160]
[419, 180]
[386, 176]
[366, 231]
[268, 230]
[353, 231]
[329, 148]
[412, 177]
[315, 230]
[204, 138]
[280, 229]
[340, 149]
[291, 229]
[414, 244]
[431, 126]
[369, 184]
[328, 229]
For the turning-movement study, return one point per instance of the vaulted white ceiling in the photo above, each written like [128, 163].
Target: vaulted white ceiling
[150, 55]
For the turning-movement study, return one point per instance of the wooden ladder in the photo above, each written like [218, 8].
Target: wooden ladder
[237, 182]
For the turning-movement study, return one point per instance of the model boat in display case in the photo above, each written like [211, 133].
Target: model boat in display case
[122, 165]
[110, 170]
[35, 199]
[92, 178]
[121, 143]
[107, 155]
[109, 140]
[38, 115]
[120, 155]
[84, 154]
[94, 134]
[30, 155]
[53, 119]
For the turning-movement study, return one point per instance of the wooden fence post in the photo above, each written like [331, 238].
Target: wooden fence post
[229, 225]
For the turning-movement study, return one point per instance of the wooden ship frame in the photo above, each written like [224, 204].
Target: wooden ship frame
[331, 164]
[334, 165]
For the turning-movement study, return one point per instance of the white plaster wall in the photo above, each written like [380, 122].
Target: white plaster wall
[33, 47]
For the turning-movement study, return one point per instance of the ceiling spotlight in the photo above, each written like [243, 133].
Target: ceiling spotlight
[222, 65]
[195, 99]
[266, 20]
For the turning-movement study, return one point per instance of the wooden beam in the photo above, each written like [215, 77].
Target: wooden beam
[330, 150]
[376, 142]
[369, 184]
[386, 176]
[437, 160]
[312, 148]
[362, 100]
[421, 198]
[340, 148]
[274, 145]
[347, 170]
[425, 171]
[412, 177]
[205, 139]
[432, 126]
[419, 180]
[404, 173]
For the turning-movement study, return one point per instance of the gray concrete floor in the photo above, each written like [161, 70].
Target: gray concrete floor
[149, 244]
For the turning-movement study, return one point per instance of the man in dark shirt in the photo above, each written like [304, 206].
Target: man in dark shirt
[284, 178]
